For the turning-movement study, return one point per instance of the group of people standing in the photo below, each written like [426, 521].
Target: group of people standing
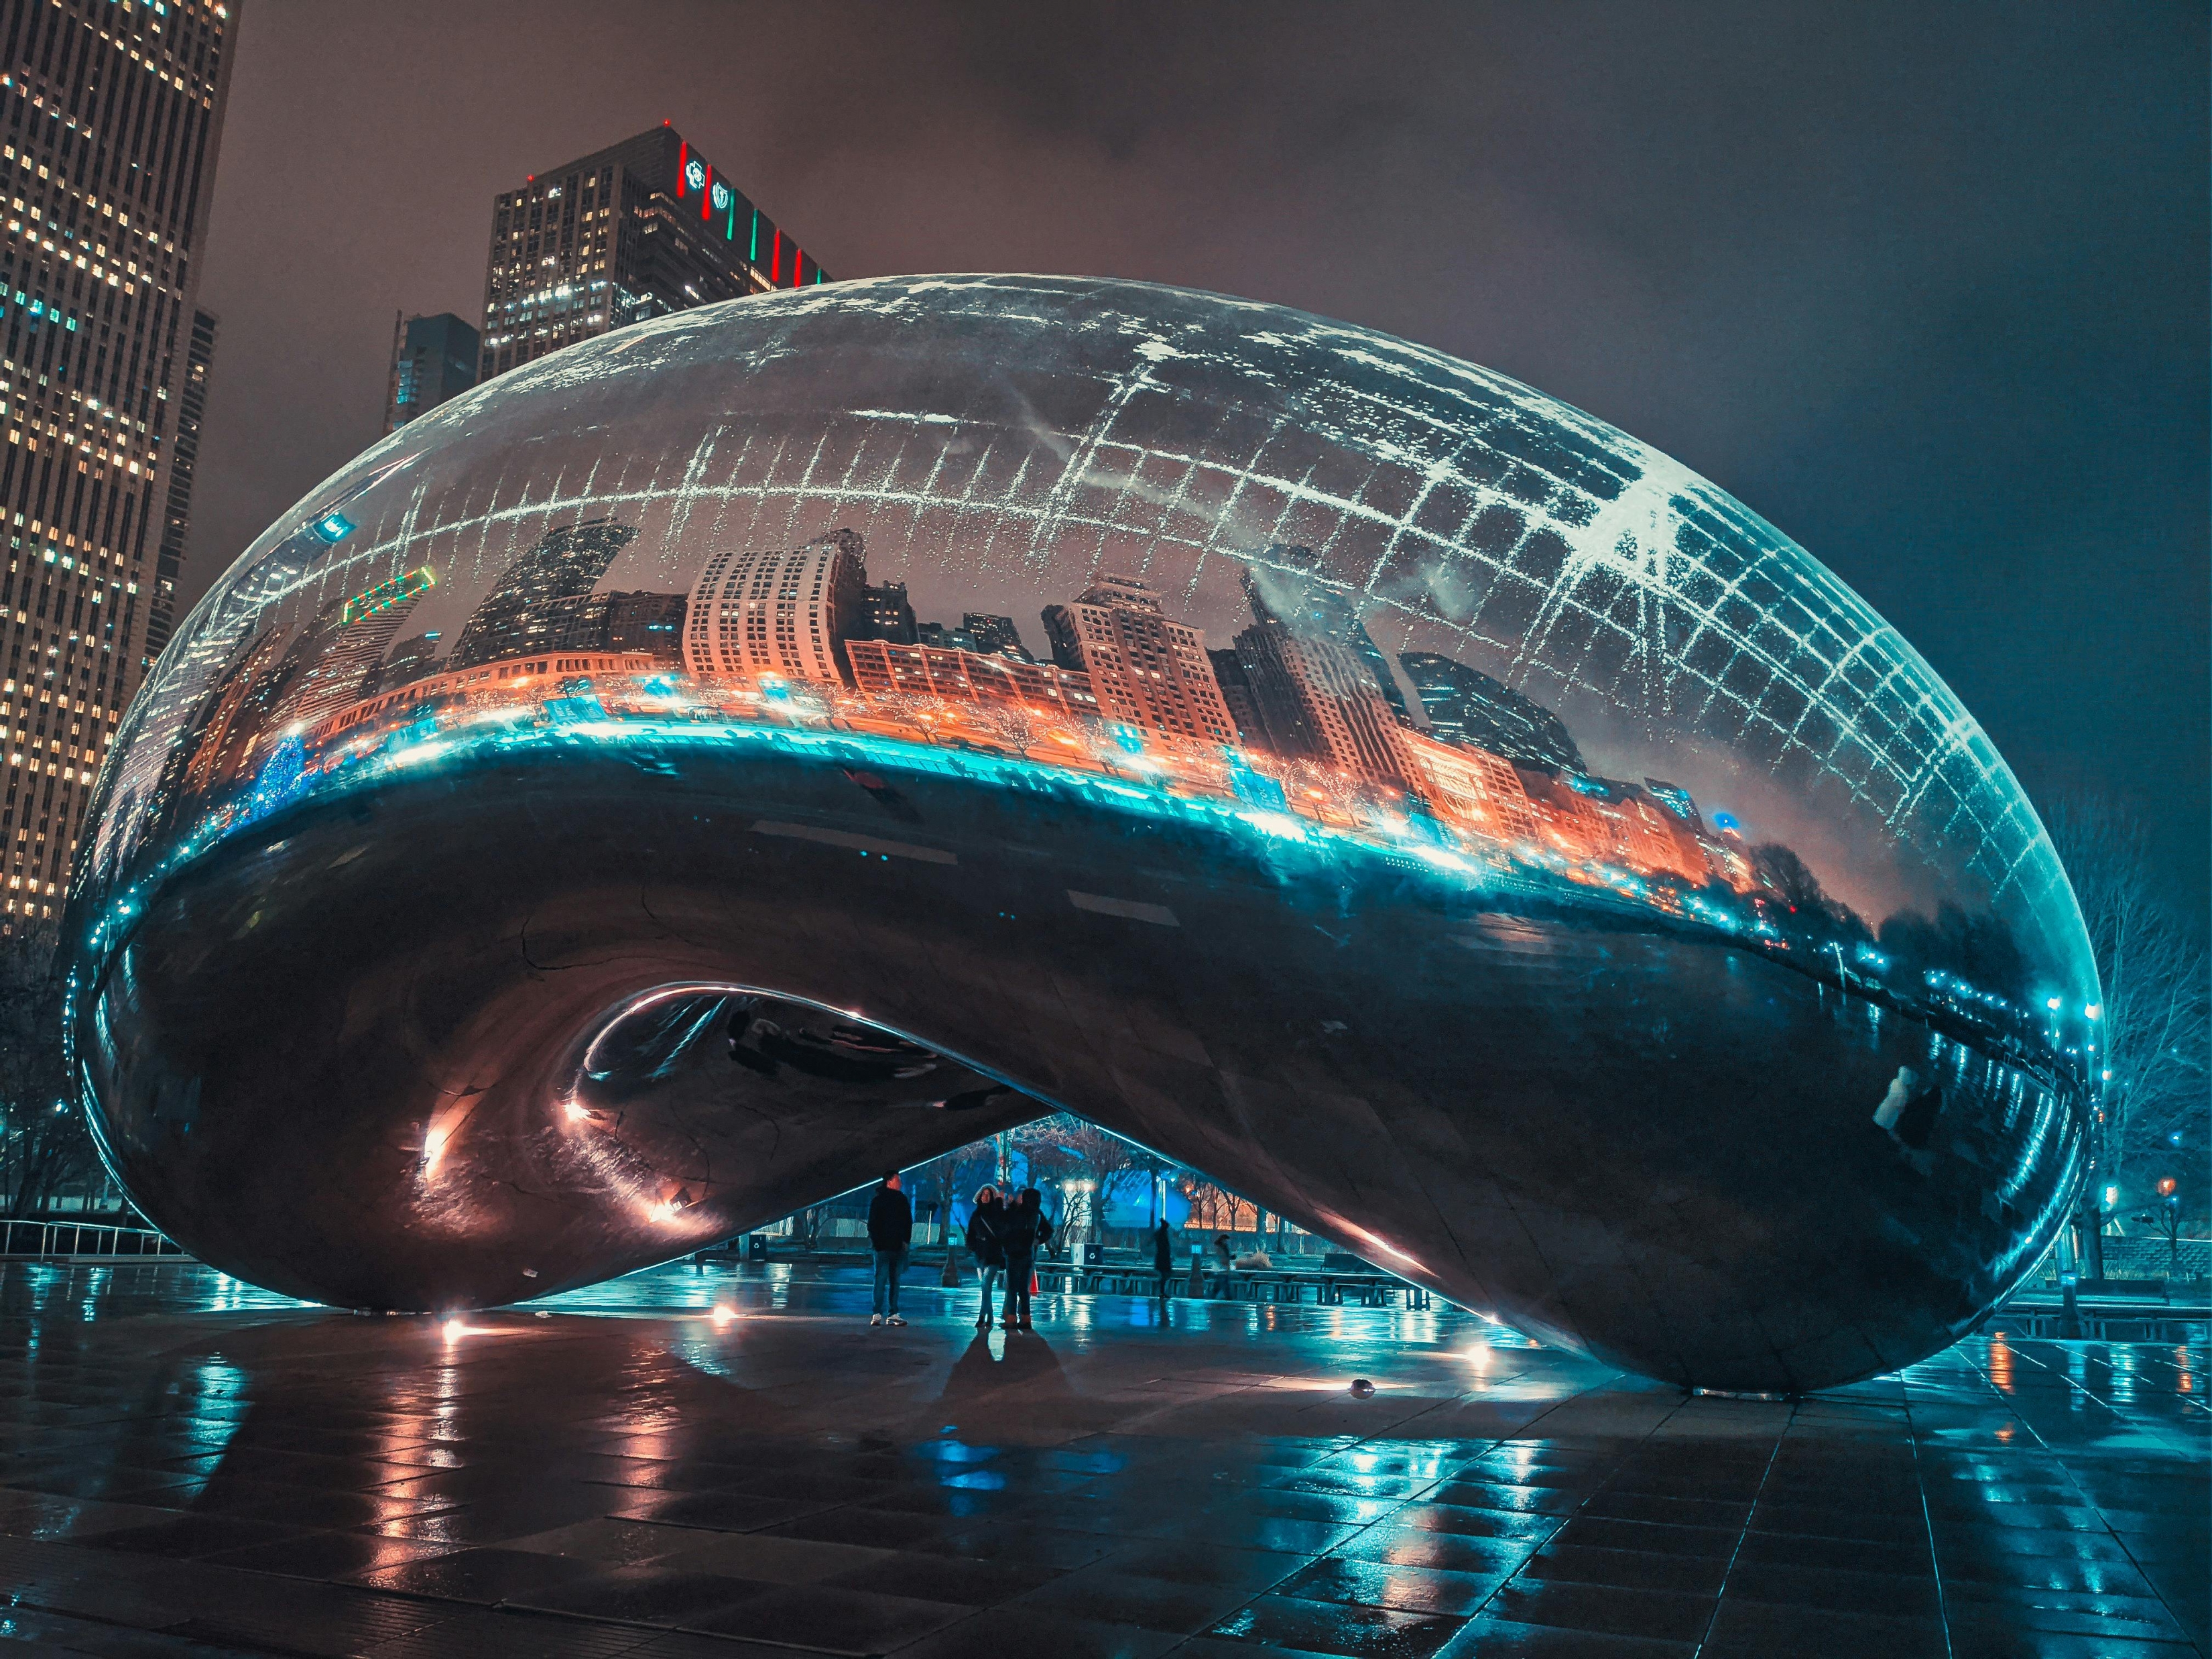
[1004, 1237]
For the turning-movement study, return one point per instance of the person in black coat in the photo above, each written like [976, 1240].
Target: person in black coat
[987, 1225]
[890, 1230]
[1163, 1255]
[1025, 1227]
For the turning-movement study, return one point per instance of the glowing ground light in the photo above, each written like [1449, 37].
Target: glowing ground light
[453, 1329]
[724, 1313]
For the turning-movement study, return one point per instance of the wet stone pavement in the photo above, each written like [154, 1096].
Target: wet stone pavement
[192, 1468]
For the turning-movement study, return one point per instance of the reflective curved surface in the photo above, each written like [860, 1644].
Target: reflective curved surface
[688, 775]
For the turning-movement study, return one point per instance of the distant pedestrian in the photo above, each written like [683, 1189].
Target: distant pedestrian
[890, 1230]
[987, 1226]
[1162, 1256]
[1022, 1235]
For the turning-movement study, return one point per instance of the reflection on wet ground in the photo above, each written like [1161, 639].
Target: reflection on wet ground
[707, 1463]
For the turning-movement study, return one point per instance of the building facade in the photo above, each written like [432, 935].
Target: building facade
[1468, 707]
[885, 669]
[184, 463]
[786, 611]
[1147, 670]
[433, 358]
[110, 117]
[637, 230]
[361, 628]
[1318, 695]
[535, 605]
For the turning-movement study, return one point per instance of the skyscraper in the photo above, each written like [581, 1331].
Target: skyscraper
[1467, 707]
[788, 612]
[184, 461]
[362, 627]
[1145, 670]
[433, 358]
[1318, 695]
[888, 615]
[109, 120]
[641, 229]
[995, 636]
[533, 606]
[645, 621]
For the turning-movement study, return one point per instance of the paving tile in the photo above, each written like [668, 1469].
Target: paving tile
[594, 1493]
[1014, 1630]
[832, 1617]
[642, 1595]
[1488, 1637]
[1583, 1564]
[1377, 1584]
[1802, 1632]
[1099, 1595]
[326, 1554]
[1613, 1609]
[482, 1576]
[1279, 1621]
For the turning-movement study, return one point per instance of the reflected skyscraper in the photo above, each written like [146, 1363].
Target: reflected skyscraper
[1467, 707]
[533, 606]
[1318, 695]
[1147, 670]
[364, 626]
[887, 614]
[778, 611]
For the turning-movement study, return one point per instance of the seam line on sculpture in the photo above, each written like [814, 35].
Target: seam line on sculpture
[1130, 909]
[900, 849]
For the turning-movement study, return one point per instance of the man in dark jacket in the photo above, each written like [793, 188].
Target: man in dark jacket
[1163, 1255]
[890, 1230]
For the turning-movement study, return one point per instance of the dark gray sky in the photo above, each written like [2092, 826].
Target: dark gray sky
[1925, 286]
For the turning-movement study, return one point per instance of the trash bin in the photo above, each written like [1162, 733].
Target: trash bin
[755, 1247]
[1091, 1254]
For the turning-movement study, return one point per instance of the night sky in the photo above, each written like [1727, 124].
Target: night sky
[1926, 287]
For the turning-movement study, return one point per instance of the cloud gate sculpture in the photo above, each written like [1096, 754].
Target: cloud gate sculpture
[677, 780]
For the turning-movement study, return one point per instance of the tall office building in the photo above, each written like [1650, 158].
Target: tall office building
[361, 628]
[641, 229]
[1467, 707]
[433, 358]
[534, 606]
[886, 614]
[1318, 695]
[995, 635]
[183, 462]
[787, 612]
[109, 120]
[1147, 670]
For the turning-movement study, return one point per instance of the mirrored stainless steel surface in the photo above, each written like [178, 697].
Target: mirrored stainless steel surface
[683, 777]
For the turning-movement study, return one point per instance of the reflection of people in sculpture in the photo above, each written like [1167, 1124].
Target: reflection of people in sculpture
[1909, 1111]
[1893, 1104]
[848, 1052]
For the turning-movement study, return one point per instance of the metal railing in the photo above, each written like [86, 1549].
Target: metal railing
[81, 1240]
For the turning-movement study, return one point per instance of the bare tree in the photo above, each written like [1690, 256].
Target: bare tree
[2152, 1022]
[43, 1145]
